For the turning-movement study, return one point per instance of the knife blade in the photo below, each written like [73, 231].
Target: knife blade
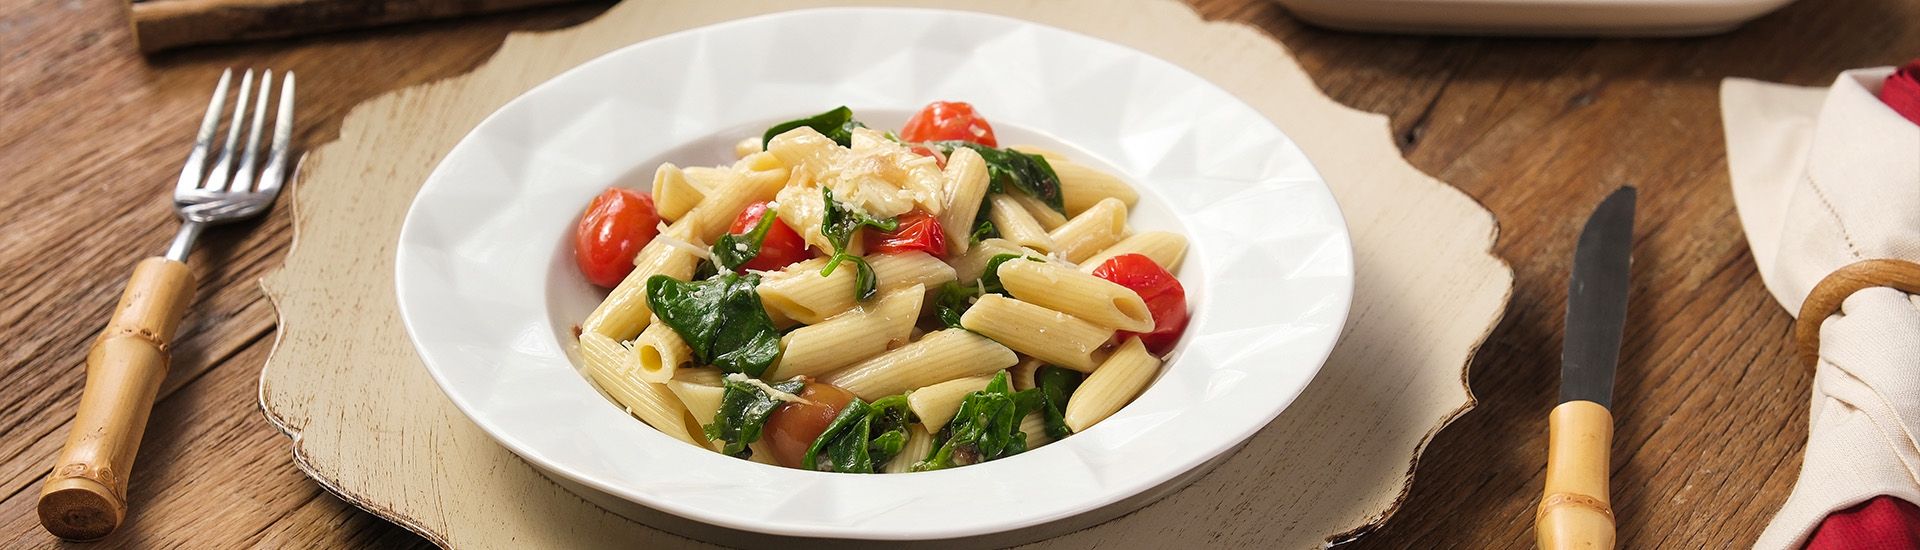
[1575, 509]
[1597, 301]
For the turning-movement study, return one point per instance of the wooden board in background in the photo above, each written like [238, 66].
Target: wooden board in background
[369, 423]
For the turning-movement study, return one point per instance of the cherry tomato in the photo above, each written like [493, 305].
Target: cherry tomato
[918, 231]
[616, 225]
[948, 121]
[782, 247]
[792, 428]
[1165, 298]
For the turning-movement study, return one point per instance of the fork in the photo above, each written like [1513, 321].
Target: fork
[84, 498]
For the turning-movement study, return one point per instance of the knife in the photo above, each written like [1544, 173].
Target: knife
[1574, 510]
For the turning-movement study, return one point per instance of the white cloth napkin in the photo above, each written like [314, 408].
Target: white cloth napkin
[1824, 178]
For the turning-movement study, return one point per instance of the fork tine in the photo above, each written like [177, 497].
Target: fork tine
[217, 181]
[197, 159]
[243, 174]
[275, 173]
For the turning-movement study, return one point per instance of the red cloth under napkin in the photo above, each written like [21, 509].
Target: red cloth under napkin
[1902, 91]
[1883, 523]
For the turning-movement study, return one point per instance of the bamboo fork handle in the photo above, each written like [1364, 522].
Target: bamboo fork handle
[1574, 512]
[85, 496]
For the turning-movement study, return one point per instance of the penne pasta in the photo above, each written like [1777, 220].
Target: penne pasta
[1035, 427]
[1022, 375]
[966, 185]
[1051, 155]
[760, 162]
[940, 356]
[936, 404]
[849, 337]
[701, 400]
[659, 351]
[968, 267]
[625, 311]
[673, 193]
[801, 294]
[919, 445]
[1046, 216]
[1092, 299]
[746, 147]
[724, 202]
[606, 364]
[1082, 187]
[1091, 231]
[1165, 249]
[1048, 335]
[1015, 225]
[1117, 382]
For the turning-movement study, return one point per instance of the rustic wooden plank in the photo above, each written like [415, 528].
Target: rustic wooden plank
[166, 24]
[1713, 409]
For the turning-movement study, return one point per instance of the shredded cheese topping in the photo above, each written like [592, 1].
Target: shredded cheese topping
[770, 390]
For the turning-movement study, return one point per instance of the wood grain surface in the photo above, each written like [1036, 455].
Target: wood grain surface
[1710, 403]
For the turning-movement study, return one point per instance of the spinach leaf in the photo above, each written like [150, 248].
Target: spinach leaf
[838, 224]
[990, 279]
[734, 250]
[983, 227]
[987, 427]
[951, 300]
[1055, 385]
[837, 125]
[862, 437]
[1010, 169]
[744, 409]
[720, 318]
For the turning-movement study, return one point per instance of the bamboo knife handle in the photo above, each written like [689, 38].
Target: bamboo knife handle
[85, 496]
[1574, 512]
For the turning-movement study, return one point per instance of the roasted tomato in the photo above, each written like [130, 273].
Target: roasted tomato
[1162, 292]
[948, 121]
[792, 428]
[918, 230]
[616, 225]
[782, 247]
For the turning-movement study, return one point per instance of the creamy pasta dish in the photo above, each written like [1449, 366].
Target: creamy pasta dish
[849, 299]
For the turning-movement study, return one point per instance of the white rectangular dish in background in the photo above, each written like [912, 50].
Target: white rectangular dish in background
[1534, 17]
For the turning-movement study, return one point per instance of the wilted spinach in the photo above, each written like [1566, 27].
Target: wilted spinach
[952, 299]
[744, 409]
[1010, 169]
[987, 427]
[838, 224]
[862, 437]
[734, 250]
[837, 125]
[1055, 385]
[720, 318]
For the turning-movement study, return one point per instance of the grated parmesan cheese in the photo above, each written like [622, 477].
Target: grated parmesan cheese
[770, 390]
[696, 250]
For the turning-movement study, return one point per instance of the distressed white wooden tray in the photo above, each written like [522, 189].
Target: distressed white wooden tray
[368, 423]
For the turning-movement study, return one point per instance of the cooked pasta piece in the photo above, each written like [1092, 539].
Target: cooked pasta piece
[708, 178]
[1091, 231]
[701, 398]
[625, 311]
[966, 184]
[849, 337]
[800, 293]
[606, 362]
[1046, 216]
[968, 267]
[761, 453]
[659, 352]
[936, 404]
[919, 444]
[802, 207]
[1049, 154]
[1034, 425]
[924, 181]
[1022, 375]
[1015, 225]
[724, 202]
[1117, 382]
[760, 162]
[940, 356]
[804, 148]
[746, 147]
[1165, 249]
[1092, 299]
[673, 193]
[1051, 336]
[1081, 187]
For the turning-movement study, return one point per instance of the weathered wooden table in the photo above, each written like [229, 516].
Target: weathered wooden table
[1712, 408]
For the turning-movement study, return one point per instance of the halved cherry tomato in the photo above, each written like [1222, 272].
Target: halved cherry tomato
[1165, 298]
[948, 121]
[792, 428]
[782, 247]
[918, 231]
[616, 225]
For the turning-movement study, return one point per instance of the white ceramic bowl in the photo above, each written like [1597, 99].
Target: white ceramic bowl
[489, 294]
